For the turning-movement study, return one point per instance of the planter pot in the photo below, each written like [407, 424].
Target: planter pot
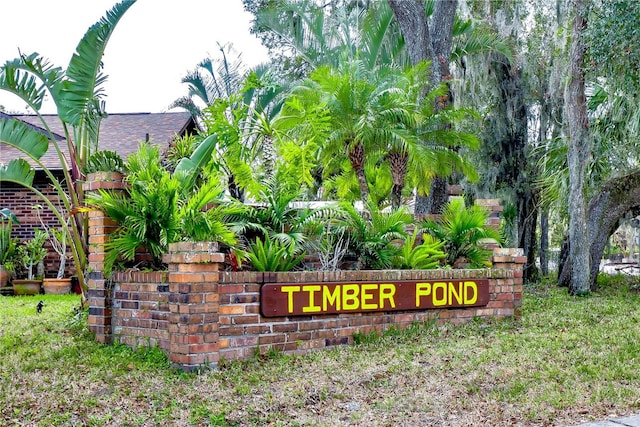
[5, 287]
[26, 286]
[57, 286]
[4, 276]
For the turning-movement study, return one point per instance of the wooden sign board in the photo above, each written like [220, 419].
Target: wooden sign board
[300, 299]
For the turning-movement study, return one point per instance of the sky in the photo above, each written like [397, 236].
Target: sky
[153, 46]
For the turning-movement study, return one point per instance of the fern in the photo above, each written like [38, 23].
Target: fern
[372, 233]
[273, 255]
[462, 229]
[419, 257]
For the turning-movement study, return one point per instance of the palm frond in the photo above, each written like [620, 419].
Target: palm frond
[18, 135]
[84, 78]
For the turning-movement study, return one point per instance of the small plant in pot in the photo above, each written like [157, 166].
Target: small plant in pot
[58, 239]
[31, 253]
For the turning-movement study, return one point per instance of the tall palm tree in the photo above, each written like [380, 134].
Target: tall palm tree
[238, 106]
[364, 112]
[328, 35]
[213, 78]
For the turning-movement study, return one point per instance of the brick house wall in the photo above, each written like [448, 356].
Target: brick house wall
[21, 201]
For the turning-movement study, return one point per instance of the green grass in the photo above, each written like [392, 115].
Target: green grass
[565, 361]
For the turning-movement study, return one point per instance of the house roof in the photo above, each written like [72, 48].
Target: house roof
[118, 132]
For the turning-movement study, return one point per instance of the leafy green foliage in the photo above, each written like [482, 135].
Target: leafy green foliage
[239, 108]
[372, 233]
[8, 245]
[612, 38]
[462, 230]
[158, 209]
[79, 97]
[32, 251]
[180, 148]
[104, 161]
[273, 255]
[276, 216]
[423, 256]
[17, 134]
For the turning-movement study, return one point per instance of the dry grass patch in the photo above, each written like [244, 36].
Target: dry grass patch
[567, 360]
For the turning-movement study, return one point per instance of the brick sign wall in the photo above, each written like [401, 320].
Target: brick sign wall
[199, 315]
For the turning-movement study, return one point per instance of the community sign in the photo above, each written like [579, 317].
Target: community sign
[300, 299]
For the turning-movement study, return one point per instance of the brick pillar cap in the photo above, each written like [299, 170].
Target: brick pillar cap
[508, 252]
[194, 247]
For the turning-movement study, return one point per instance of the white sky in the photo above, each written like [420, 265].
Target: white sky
[152, 48]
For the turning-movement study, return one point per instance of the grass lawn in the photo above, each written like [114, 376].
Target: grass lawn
[567, 360]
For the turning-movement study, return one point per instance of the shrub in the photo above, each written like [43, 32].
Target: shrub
[273, 255]
[419, 257]
[462, 230]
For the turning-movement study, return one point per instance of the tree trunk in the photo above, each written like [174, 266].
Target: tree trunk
[411, 17]
[510, 156]
[433, 44]
[527, 224]
[605, 210]
[544, 241]
[438, 197]
[268, 156]
[578, 154]
[357, 158]
[399, 162]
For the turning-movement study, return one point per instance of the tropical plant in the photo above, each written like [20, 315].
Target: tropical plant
[104, 161]
[331, 246]
[365, 113]
[463, 230]
[273, 255]
[7, 219]
[380, 119]
[372, 233]
[58, 239]
[303, 35]
[8, 245]
[238, 107]
[161, 208]
[78, 95]
[213, 78]
[32, 252]
[277, 216]
[422, 256]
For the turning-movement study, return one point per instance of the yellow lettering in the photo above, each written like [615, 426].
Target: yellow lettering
[331, 298]
[387, 291]
[455, 293]
[437, 302]
[290, 290]
[312, 307]
[474, 289]
[422, 290]
[350, 299]
[367, 296]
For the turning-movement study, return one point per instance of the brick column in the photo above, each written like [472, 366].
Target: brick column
[99, 288]
[193, 304]
[512, 260]
[495, 208]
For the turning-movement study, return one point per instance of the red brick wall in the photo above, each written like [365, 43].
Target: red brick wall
[204, 315]
[141, 309]
[200, 313]
[21, 201]
[243, 330]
